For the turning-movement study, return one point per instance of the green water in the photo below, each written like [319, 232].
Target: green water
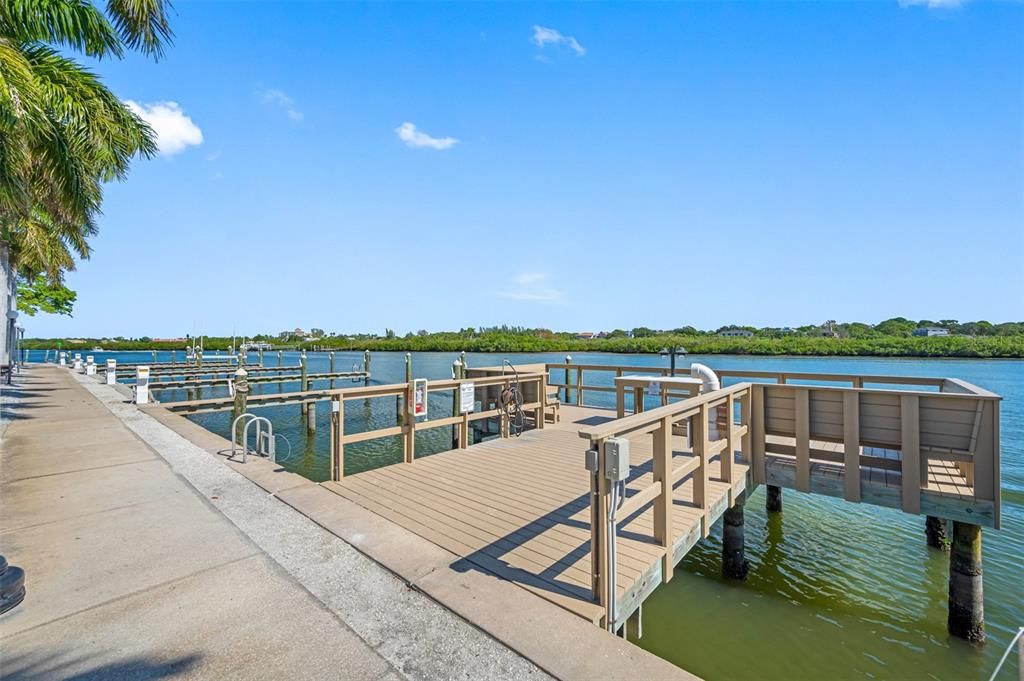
[836, 590]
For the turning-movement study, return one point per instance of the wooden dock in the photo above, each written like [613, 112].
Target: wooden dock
[520, 509]
[528, 510]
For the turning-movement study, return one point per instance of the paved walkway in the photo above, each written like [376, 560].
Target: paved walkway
[143, 565]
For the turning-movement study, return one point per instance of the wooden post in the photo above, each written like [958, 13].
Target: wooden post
[400, 410]
[662, 467]
[851, 445]
[280, 359]
[457, 375]
[910, 454]
[366, 367]
[241, 397]
[801, 407]
[579, 386]
[568, 360]
[199, 359]
[154, 357]
[734, 563]
[966, 600]
[261, 355]
[337, 433]
[303, 381]
[173, 360]
[332, 369]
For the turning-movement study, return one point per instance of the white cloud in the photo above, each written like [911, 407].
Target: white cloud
[532, 287]
[932, 4]
[417, 139]
[548, 36]
[281, 100]
[174, 130]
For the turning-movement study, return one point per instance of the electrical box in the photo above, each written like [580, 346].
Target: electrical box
[616, 459]
[591, 461]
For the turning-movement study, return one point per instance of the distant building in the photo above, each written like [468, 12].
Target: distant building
[585, 335]
[736, 333]
[170, 340]
[929, 331]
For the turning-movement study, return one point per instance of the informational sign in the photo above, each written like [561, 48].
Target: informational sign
[419, 397]
[467, 397]
[111, 371]
[654, 388]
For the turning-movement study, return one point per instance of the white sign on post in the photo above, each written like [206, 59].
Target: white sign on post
[111, 371]
[419, 397]
[90, 366]
[654, 388]
[467, 397]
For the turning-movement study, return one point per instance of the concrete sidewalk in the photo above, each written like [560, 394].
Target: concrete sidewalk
[134, 573]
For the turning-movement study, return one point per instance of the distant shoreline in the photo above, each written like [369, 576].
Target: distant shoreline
[949, 347]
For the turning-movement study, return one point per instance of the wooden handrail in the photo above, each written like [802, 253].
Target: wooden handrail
[409, 427]
[676, 411]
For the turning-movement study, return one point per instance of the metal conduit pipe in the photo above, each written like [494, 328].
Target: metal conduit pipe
[710, 384]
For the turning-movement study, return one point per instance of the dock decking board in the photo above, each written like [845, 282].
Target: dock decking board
[519, 508]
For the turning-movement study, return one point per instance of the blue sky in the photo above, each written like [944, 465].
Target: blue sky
[574, 166]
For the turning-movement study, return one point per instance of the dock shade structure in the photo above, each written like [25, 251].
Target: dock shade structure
[528, 510]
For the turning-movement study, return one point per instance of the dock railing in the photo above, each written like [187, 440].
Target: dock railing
[791, 417]
[692, 416]
[573, 387]
[409, 426]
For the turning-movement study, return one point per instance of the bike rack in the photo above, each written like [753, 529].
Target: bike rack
[264, 440]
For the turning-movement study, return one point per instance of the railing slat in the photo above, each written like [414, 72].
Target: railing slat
[729, 453]
[701, 445]
[662, 465]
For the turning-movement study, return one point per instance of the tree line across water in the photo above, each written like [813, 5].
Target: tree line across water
[891, 338]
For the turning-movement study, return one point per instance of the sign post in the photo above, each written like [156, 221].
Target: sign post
[142, 385]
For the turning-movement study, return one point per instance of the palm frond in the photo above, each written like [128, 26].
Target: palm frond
[143, 24]
[77, 24]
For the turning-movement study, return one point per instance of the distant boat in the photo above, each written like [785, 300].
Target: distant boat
[97, 349]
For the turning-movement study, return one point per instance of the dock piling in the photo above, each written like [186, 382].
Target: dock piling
[568, 360]
[773, 499]
[332, 368]
[280, 361]
[935, 531]
[966, 594]
[366, 367]
[734, 562]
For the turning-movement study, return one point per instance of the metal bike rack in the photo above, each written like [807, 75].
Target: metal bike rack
[264, 439]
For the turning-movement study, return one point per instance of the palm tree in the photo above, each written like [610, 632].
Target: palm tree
[62, 132]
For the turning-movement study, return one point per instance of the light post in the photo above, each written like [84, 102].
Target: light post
[671, 354]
